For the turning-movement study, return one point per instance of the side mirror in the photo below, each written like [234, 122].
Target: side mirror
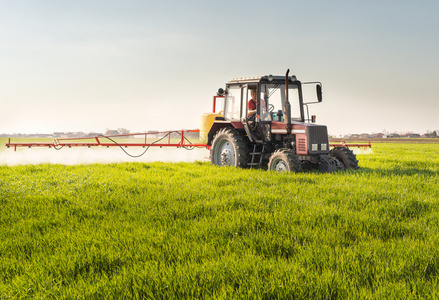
[319, 92]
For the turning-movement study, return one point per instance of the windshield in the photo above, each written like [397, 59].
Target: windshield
[273, 100]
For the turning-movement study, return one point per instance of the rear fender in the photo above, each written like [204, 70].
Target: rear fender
[217, 125]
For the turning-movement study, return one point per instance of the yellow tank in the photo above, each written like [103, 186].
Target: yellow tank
[206, 122]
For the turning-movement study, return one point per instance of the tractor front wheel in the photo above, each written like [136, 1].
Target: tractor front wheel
[346, 157]
[284, 160]
[229, 148]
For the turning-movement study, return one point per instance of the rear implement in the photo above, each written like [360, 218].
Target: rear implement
[175, 138]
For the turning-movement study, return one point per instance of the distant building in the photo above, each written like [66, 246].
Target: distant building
[93, 134]
[60, 135]
[111, 132]
[377, 136]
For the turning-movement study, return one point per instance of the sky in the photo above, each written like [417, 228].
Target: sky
[156, 65]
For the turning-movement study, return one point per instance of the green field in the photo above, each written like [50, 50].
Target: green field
[192, 230]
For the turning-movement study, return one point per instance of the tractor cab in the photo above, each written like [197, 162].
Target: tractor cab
[260, 104]
[263, 124]
[270, 99]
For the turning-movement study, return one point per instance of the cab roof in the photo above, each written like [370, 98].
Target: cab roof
[257, 79]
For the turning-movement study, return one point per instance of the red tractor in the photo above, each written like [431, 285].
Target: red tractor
[271, 129]
[262, 125]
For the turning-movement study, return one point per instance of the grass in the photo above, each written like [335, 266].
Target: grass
[184, 231]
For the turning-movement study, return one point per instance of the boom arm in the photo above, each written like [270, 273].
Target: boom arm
[149, 139]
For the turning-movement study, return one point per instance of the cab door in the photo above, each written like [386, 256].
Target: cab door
[244, 89]
[233, 102]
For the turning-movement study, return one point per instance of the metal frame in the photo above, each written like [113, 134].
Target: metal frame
[343, 144]
[183, 142]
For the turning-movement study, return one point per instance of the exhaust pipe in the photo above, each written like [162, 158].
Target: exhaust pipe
[287, 107]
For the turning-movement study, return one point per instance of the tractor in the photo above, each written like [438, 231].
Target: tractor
[262, 124]
[273, 132]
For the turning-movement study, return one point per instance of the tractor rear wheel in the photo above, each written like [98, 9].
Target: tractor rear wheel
[346, 157]
[229, 148]
[284, 160]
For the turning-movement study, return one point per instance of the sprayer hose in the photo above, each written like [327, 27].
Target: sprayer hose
[147, 148]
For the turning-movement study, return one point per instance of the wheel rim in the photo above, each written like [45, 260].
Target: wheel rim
[280, 166]
[225, 154]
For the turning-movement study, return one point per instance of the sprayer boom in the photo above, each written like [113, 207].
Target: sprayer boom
[176, 138]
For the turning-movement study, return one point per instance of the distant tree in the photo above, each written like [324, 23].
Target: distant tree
[433, 134]
[123, 131]
[111, 132]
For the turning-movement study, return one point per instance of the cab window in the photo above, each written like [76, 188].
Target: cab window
[232, 109]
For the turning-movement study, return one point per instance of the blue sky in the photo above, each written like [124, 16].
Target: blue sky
[147, 65]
